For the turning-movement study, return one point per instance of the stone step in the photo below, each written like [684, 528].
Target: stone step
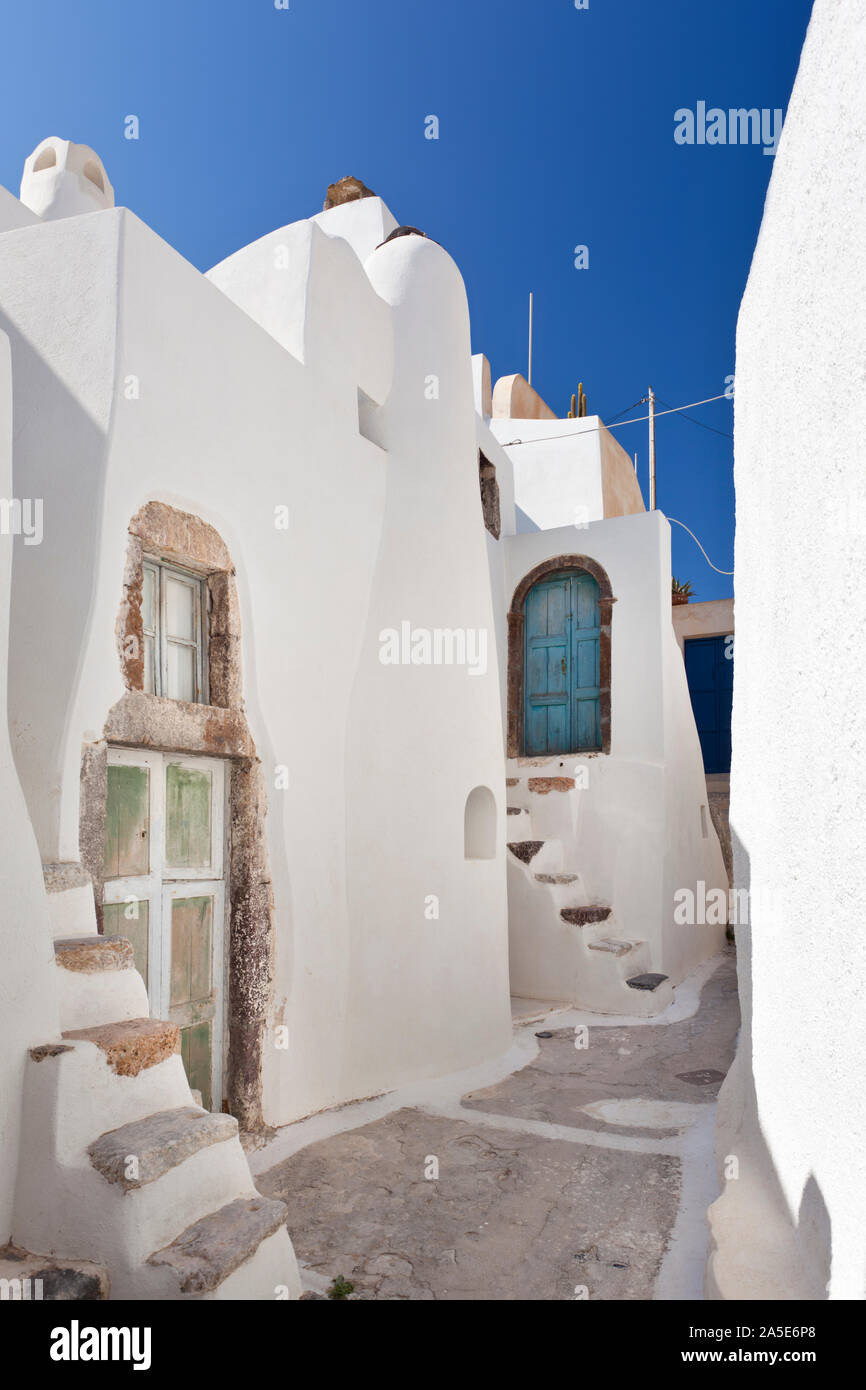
[647, 982]
[158, 1143]
[132, 1046]
[210, 1250]
[69, 897]
[94, 954]
[613, 946]
[557, 878]
[525, 850]
[582, 916]
[97, 982]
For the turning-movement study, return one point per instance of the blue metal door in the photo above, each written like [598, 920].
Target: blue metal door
[562, 628]
[710, 674]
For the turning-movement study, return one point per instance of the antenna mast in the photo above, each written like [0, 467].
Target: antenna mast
[529, 373]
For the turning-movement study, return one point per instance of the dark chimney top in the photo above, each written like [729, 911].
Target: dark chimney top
[346, 190]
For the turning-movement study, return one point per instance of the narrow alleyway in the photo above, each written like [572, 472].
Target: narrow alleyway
[560, 1172]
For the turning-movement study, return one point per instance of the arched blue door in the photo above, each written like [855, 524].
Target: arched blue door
[561, 665]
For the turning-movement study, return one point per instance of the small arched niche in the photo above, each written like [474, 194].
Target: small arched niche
[479, 824]
[47, 160]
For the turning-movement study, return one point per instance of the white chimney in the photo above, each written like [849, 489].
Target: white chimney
[62, 179]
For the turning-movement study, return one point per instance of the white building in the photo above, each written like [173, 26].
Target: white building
[305, 640]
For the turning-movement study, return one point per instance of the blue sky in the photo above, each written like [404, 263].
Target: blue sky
[556, 129]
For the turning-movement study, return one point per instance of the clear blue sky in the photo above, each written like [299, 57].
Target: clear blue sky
[556, 129]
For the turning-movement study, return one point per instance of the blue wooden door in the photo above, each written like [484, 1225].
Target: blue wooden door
[710, 674]
[562, 666]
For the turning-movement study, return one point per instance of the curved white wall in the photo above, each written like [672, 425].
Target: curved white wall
[26, 950]
[422, 736]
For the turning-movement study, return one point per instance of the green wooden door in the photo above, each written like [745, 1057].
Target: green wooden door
[165, 891]
[561, 672]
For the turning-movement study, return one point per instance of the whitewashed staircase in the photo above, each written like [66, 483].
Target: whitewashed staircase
[573, 949]
[120, 1163]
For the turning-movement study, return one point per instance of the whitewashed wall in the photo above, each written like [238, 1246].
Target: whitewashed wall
[793, 1110]
[28, 1003]
[636, 832]
[229, 424]
[567, 472]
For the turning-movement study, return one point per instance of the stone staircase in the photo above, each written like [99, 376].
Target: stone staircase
[579, 953]
[118, 1160]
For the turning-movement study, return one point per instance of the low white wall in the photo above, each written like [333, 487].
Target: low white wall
[713, 618]
[567, 472]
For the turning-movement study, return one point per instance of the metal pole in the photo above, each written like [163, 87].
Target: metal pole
[652, 450]
[529, 377]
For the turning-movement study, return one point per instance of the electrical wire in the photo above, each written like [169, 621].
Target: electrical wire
[711, 428]
[674, 410]
[677, 409]
[700, 547]
[635, 404]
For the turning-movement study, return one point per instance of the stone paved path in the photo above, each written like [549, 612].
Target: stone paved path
[584, 1173]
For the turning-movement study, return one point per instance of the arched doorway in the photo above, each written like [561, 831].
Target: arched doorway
[173, 802]
[559, 659]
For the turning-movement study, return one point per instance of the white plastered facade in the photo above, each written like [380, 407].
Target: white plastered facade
[628, 827]
[323, 371]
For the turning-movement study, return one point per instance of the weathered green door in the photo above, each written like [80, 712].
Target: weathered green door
[164, 890]
[192, 998]
[561, 672]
